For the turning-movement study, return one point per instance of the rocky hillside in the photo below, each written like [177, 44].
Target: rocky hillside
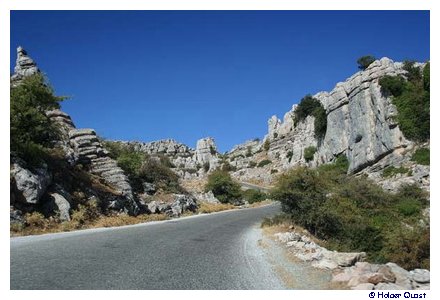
[75, 170]
[361, 125]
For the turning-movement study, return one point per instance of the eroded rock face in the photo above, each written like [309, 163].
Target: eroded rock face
[174, 208]
[360, 124]
[90, 151]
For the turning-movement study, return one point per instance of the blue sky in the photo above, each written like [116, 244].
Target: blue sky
[149, 75]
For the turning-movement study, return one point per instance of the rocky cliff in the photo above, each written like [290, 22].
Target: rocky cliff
[360, 125]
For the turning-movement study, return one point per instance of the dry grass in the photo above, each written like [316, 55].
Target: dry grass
[206, 208]
[194, 185]
[52, 226]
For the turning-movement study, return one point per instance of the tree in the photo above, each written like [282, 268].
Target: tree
[223, 187]
[31, 129]
[364, 61]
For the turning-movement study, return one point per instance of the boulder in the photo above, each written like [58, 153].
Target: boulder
[30, 185]
[62, 205]
[420, 275]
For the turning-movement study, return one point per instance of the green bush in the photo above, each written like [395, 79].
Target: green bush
[392, 85]
[31, 130]
[164, 178]
[421, 156]
[309, 106]
[249, 151]
[412, 99]
[309, 153]
[354, 214]
[266, 145]
[253, 196]
[264, 163]
[364, 61]
[225, 189]
[140, 167]
[391, 171]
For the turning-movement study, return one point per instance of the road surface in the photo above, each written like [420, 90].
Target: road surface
[216, 251]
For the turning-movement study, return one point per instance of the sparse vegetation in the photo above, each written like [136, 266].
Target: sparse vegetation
[412, 99]
[140, 168]
[309, 153]
[421, 156]
[227, 167]
[354, 214]
[392, 171]
[364, 61]
[264, 162]
[224, 188]
[206, 208]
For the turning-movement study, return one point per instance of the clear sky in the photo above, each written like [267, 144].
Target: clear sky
[185, 75]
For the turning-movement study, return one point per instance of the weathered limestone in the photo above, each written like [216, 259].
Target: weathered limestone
[31, 185]
[24, 67]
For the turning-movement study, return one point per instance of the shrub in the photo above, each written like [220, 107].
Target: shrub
[392, 85]
[249, 151]
[224, 188]
[310, 106]
[364, 61]
[264, 163]
[266, 145]
[309, 153]
[31, 131]
[412, 99]
[391, 171]
[273, 171]
[421, 156]
[253, 196]
[354, 214]
[35, 219]
[206, 166]
[153, 171]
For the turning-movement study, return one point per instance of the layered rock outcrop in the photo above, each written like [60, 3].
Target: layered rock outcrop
[79, 146]
[360, 125]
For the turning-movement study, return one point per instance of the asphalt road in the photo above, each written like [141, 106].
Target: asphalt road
[216, 251]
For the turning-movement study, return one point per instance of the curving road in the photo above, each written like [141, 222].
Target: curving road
[216, 251]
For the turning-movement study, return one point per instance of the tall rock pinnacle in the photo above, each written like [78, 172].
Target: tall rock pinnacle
[24, 66]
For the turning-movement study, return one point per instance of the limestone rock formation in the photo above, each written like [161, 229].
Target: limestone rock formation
[188, 162]
[89, 150]
[360, 125]
[24, 66]
[30, 185]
